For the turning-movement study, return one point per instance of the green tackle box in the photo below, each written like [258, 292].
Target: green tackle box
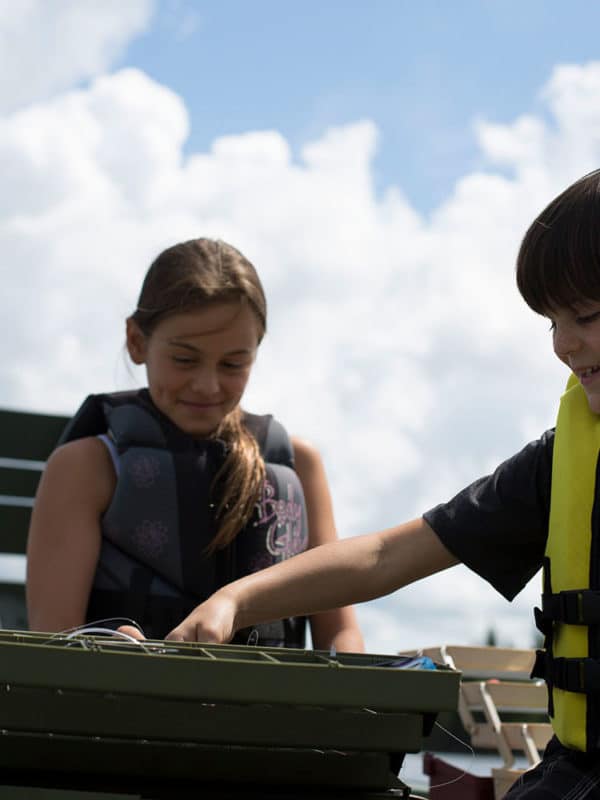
[171, 720]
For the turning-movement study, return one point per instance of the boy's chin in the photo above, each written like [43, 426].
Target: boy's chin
[594, 402]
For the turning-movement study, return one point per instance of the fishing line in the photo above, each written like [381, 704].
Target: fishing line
[464, 772]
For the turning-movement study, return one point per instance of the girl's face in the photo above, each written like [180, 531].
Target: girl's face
[576, 339]
[198, 363]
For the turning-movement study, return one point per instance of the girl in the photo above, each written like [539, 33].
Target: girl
[540, 508]
[158, 497]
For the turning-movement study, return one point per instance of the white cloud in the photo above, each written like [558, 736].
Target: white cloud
[50, 46]
[398, 344]
[450, 608]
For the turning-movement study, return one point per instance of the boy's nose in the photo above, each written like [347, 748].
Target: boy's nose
[566, 341]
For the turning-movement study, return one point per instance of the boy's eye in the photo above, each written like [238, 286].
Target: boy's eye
[552, 327]
[587, 318]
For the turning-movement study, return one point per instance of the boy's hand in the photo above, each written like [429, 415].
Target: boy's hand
[212, 621]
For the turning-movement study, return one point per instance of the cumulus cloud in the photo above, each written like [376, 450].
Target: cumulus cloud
[397, 343]
[78, 39]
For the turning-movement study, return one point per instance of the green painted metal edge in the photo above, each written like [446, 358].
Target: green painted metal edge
[96, 714]
[224, 673]
[131, 762]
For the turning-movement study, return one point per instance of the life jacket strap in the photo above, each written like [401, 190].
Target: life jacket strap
[539, 666]
[574, 607]
[571, 674]
[543, 624]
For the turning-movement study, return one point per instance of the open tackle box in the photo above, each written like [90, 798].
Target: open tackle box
[162, 719]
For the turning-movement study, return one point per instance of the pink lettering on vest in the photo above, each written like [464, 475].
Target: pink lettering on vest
[285, 534]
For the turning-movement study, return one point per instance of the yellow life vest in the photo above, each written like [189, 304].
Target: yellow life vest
[570, 614]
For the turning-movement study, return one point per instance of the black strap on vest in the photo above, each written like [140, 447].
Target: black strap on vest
[90, 419]
[574, 607]
[571, 607]
[541, 668]
[571, 674]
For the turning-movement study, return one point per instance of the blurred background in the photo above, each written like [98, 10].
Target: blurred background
[378, 162]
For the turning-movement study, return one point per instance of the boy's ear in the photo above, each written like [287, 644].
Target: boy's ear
[136, 342]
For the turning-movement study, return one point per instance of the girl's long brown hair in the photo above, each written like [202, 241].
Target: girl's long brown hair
[194, 275]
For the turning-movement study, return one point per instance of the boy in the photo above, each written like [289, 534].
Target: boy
[540, 507]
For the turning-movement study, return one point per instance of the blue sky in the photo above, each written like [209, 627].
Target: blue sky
[379, 162]
[423, 71]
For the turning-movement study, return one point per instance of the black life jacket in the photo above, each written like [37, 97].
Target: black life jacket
[153, 566]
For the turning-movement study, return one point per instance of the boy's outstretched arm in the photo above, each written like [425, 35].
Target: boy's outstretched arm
[332, 575]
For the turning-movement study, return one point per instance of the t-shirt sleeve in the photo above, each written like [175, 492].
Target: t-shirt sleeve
[498, 525]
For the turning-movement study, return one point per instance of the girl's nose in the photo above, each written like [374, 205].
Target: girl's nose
[205, 381]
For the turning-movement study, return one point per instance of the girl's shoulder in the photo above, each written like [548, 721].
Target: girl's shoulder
[82, 450]
[307, 459]
[85, 465]
[305, 449]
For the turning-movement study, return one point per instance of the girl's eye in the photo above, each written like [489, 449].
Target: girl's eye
[183, 360]
[552, 327]
[231, 366]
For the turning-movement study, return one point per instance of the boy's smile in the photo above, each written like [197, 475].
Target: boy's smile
[576, 340]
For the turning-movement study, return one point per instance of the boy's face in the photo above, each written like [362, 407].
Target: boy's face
[576, 340]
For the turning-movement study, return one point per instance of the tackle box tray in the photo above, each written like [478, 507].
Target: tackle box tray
[96, 710]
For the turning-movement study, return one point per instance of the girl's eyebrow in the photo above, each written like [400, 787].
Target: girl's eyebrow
[182, 344]
[187, 346]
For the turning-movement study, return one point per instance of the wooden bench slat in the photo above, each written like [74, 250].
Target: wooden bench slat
[14, 524]
[540, 732]
[508, 695]
[26, 441]
[13, 613]
[485, 661]
[504, 778]
[485, 737]
[18, 482]
[28, 435]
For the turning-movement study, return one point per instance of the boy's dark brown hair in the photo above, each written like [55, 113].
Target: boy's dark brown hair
[558, 265]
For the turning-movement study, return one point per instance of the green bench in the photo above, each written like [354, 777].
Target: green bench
[26, 441]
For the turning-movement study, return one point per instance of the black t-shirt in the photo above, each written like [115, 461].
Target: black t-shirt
[498, 525]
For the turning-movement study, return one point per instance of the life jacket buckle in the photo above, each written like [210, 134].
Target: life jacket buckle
[591, 670]
[571, 606]
[576, 674]
[590, 606]
[568, 674]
